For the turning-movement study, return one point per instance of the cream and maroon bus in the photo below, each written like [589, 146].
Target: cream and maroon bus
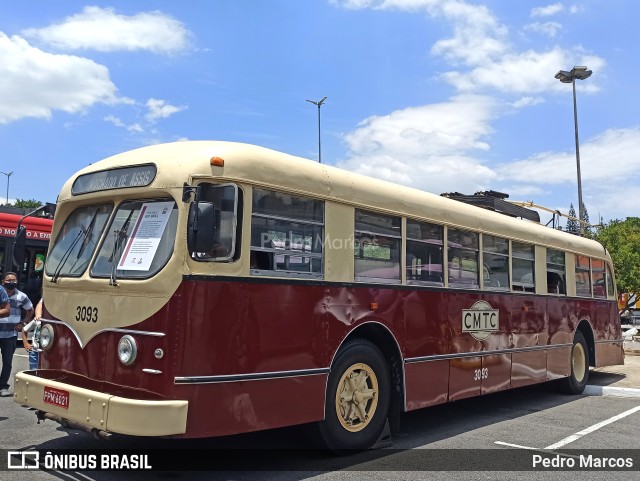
[199, 289]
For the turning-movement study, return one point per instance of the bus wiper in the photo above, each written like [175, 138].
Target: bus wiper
[120, 238]
[88, 233]
[82, 234]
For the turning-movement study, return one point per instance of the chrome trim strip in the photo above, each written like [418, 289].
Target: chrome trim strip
[151, 371]
[133, 331]
[108, 329]
[610, 341]
[258, 376]
[438, 357]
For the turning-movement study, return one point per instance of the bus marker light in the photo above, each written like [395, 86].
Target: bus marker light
[373, 306]
[217, 161]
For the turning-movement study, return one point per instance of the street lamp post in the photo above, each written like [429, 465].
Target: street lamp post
[319, 104]
[8, 176]
[579, 73]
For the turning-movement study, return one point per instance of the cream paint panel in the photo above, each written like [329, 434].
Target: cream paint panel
[104, 411]
[132, 301]
[541, 269]
[271, 169]
[114, 310]
[339, 240]
[570, 260]
[87, 407]
[147, 418]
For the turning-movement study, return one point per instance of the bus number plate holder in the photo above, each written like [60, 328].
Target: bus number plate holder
[57, 397]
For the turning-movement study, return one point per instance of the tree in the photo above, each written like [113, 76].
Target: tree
[572, 224]
[622, 240]
[585, 218]
[27, 204]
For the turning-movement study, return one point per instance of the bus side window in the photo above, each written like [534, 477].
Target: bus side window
[554, 283]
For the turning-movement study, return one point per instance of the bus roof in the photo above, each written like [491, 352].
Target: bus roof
[181, 162]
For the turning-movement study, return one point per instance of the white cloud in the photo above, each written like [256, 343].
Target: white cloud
[546, 28]
[104, 30]
[527, 102]
[481, 42]
[160, 109]
[608, 158]
[119, 123]
[426, 147]
[525, 72]
[33, 83]
[547, 11]
[607, 162]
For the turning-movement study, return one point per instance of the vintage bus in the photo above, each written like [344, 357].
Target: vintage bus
[199, 289]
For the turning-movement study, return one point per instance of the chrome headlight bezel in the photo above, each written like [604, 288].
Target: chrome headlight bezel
[127, 350]
[46, 337]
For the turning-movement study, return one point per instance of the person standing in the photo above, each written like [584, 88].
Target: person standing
[10, 322]
[34, 347]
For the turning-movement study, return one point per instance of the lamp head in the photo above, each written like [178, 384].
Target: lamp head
[564, 77]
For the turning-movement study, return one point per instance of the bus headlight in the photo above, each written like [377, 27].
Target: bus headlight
[46, 337]
[127, 350]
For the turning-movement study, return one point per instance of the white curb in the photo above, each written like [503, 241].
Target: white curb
[611, 391]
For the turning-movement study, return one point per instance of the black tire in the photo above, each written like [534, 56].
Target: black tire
[577, 380]
[344, 428]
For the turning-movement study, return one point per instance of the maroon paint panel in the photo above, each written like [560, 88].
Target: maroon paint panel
[463, 377]
[609, 353]
[427, 383]
[496, 373]
[216, 327]
[558, 363]
[528, 368]
[237, 407]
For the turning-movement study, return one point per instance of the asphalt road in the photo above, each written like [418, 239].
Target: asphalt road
[471, 435]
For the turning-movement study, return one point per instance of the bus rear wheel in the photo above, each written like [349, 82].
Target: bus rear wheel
[357, 398]
[577, 380]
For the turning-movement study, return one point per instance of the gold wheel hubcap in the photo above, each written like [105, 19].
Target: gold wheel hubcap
[578, 360]
[357, 397]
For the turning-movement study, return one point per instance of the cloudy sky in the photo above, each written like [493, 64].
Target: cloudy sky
[442, 95]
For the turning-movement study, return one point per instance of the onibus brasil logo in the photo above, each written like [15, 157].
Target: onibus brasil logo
[481, 320]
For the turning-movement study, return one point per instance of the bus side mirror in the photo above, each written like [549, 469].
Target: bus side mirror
[19, 244]
[201, 226]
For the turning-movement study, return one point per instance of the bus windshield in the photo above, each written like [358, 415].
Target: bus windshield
[140, 239]
[77, 240]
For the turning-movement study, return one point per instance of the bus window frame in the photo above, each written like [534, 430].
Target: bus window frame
[109, 223]
[236, 228]
[99, 243]
[275, 271]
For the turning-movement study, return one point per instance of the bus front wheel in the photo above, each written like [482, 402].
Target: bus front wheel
[357, 399]
[577, 380]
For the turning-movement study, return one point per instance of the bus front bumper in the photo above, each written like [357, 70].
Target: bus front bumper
[102, 411]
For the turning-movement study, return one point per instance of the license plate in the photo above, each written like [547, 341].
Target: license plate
[57, 397]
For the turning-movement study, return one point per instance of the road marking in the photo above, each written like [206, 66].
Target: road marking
[529, 448]
[502, 443]
[595, 427]
[21, 355]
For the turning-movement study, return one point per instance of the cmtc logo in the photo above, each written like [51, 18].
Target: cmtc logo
[481, 320]
[23, 460]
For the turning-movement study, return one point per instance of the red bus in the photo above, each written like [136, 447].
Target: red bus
[27, 255]
[200, 289]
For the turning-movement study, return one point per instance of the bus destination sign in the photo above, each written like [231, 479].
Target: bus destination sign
[122, 178]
